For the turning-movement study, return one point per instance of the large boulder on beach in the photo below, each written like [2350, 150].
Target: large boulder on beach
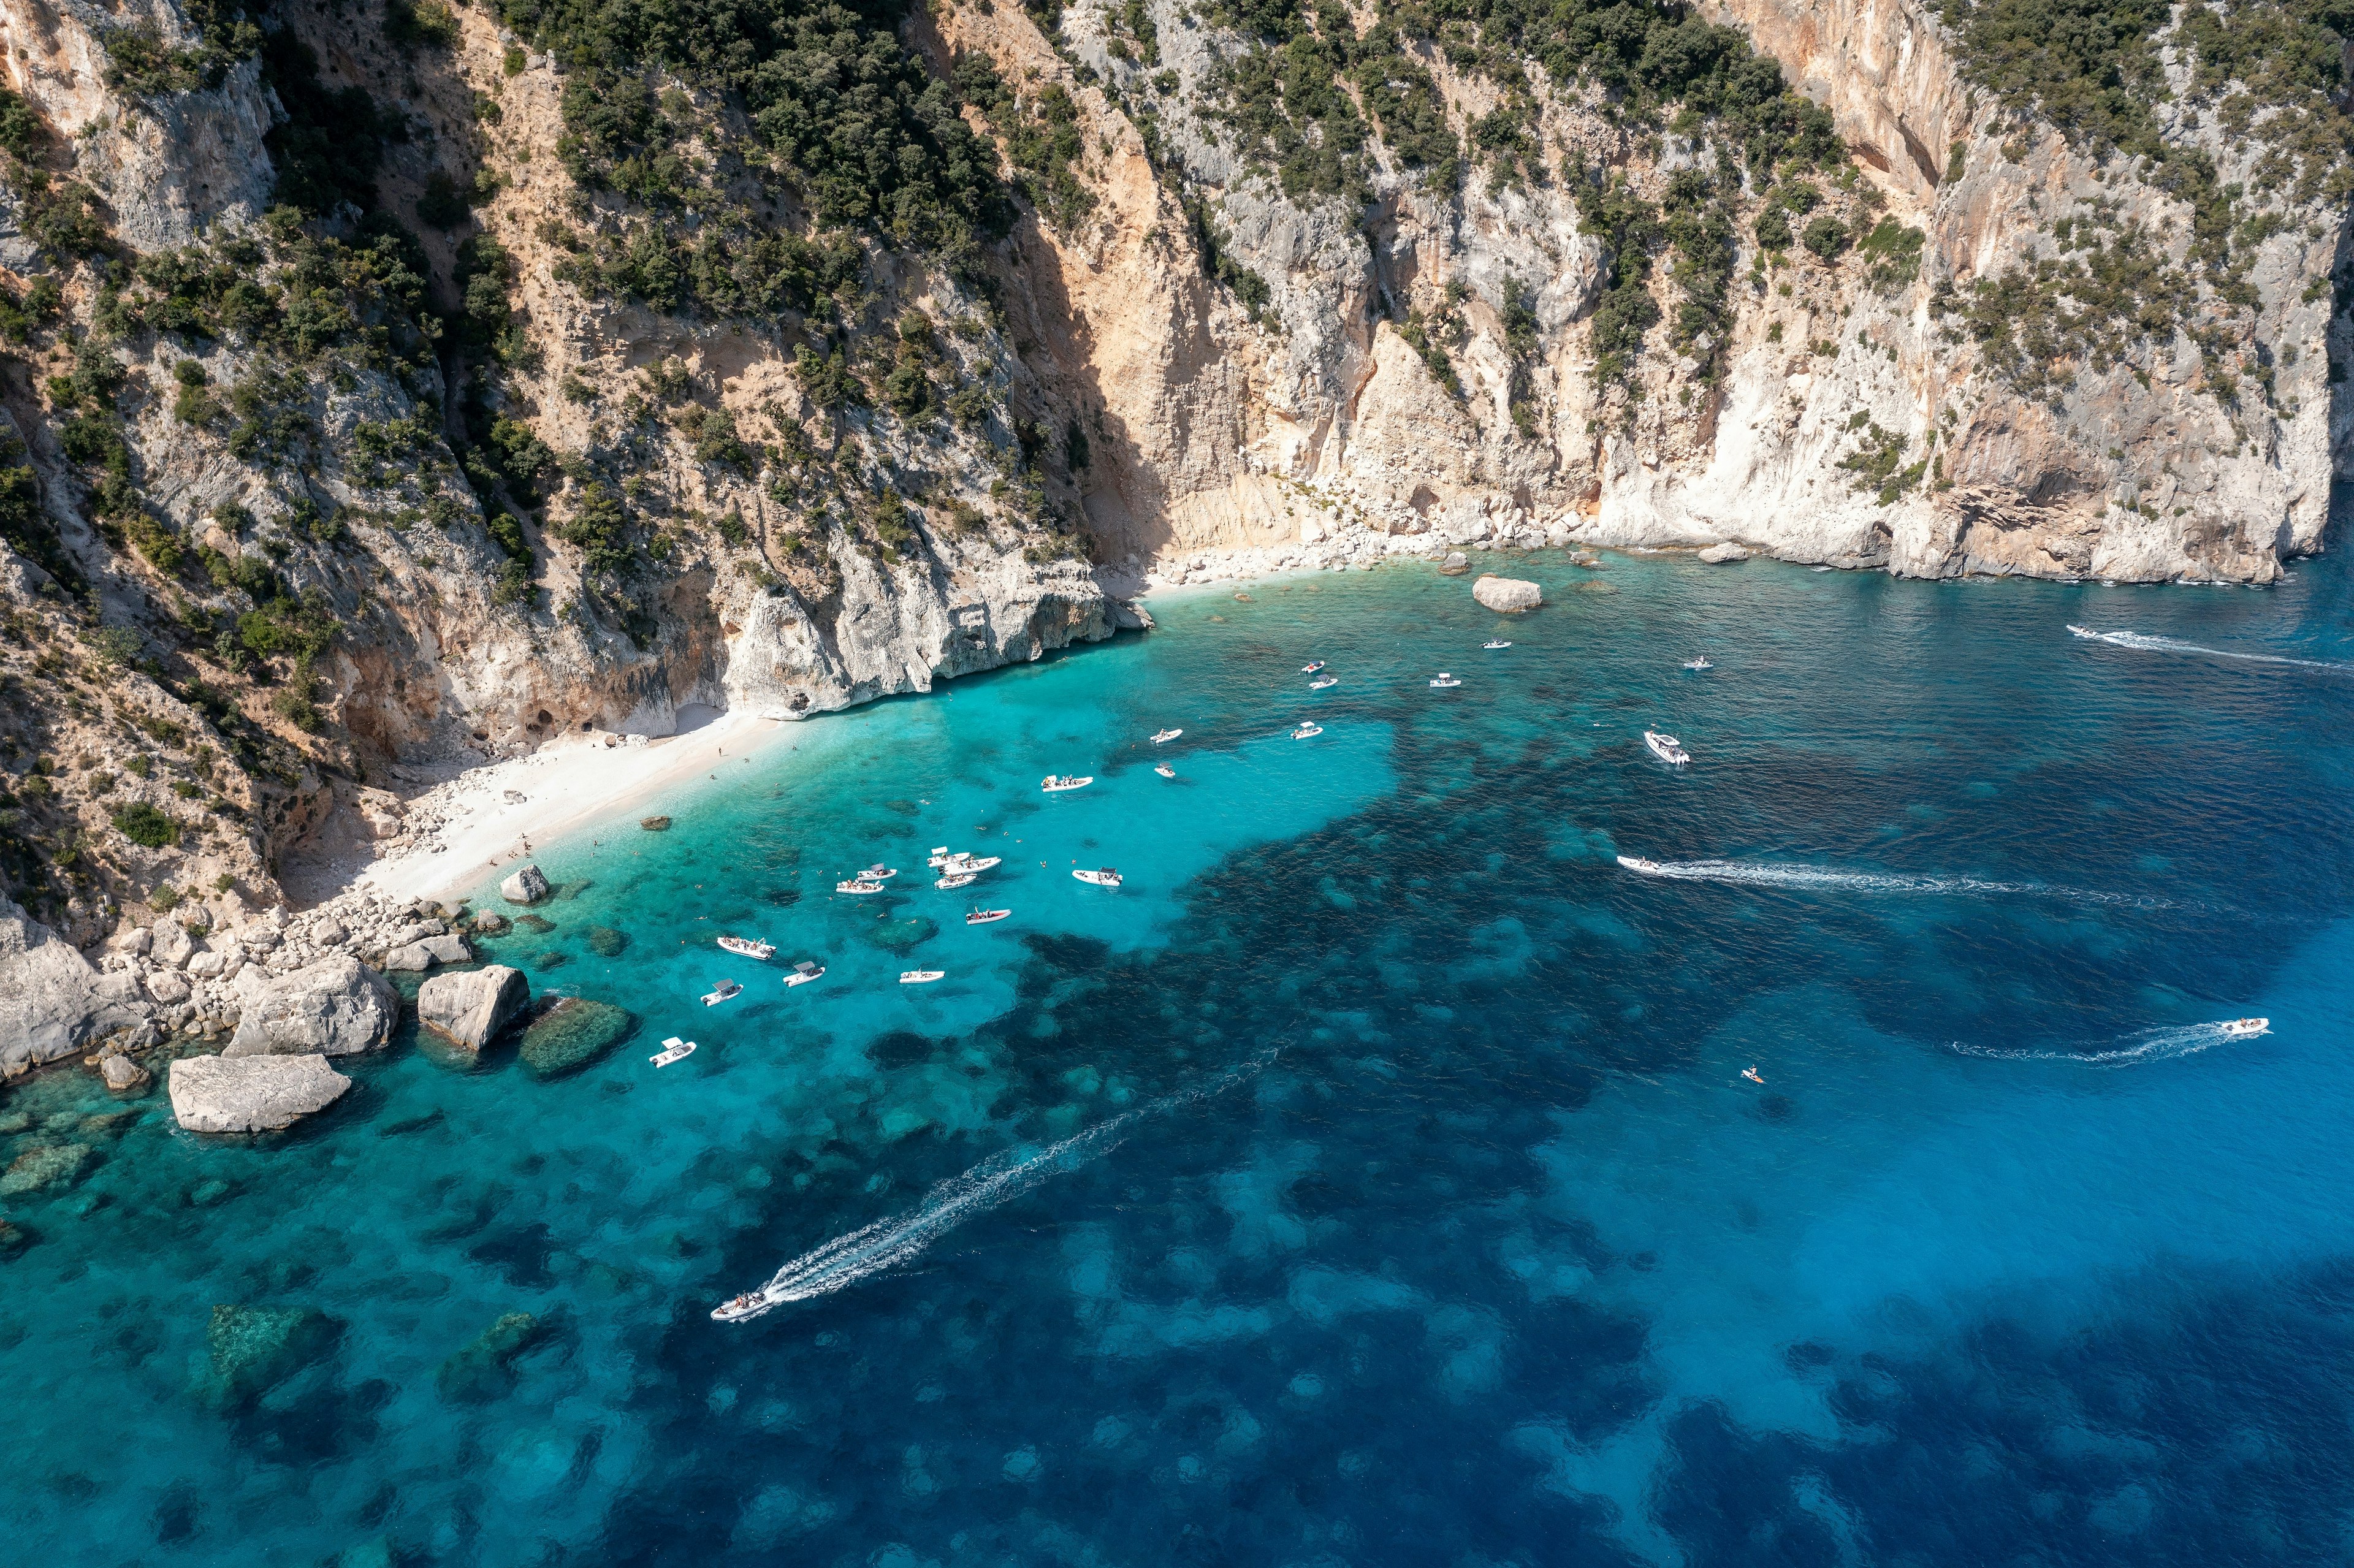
[525, 886]
[52, 1002]
[337, 1007]
[252, 1094]
[1507, 595]
[469, 1009]
[414, 956]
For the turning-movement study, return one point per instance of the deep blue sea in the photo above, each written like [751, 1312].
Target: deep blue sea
[1372, 1178]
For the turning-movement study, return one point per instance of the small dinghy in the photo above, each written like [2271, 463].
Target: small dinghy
[952, 880]
[1494, 643]
[726, 990]
[920, 976]
[804, 972]
[1164, 736]
[983, 916]
[748, 948]
[1666, 748]
[1444, 679]
[1637, 863]
[1700, 663]
[878, 872]
[1320, 681]
[1056, 783]
[1164, 771]
[1107, 877]
[858, 886]
[674, 1050]
[735, 1310]
[1309, 731]
[1311, 669]
[2244, 1028]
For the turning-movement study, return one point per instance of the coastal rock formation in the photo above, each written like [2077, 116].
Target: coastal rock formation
[124, 1075]
[52, 1002]
[571, 1034]
[1507, 595]
[252, 1350]
[525, 886]
[252, 1094]
[469, 1009]
[1718, 554]
[424, 953]
[337, 1007]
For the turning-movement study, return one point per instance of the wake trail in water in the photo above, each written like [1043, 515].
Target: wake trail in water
[886, 1244]
[2144, 643]
[1765, 873]
[2164, 1043]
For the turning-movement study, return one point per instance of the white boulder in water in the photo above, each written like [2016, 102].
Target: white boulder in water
[337, 1007]
[1718, 554]
[1507, 595]
[469, 1009]
[447, 949]
[525, 886]
[252, 1094]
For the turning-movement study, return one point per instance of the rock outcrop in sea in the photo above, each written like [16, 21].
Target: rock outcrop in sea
[252, 1094]
[1508, 596]
[469, 1009]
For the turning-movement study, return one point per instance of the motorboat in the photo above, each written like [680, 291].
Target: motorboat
[975, 863]
[746, 947]
[920, 976]
[1164, 771]
[725, 991]
[1311, 669]
[1666, 748]
[1637, 863]
[1320, 681]
[984, 916]
[1495, 642]
[737, 1309]
[1107, 877]
[674, 1050]
[1444, 679]
[1161, 737]
[878, 872]
[1700, 663]
[858, 886]
[1308, 732]
[2244, 1028]
[952, 880]
[1056, 783]
[941, 855]
[804, 972]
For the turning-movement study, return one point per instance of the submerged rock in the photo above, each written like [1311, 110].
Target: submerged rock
[255, 1349]
[654, 824]
[46, 1166]
[252, 1094]
[485, 1369]
[536, 925]
[1508, 596]
[572, 1034]
[336, 1007]
[490, 923]
[525, 886]
[606, 942]
[469, 1009]
[901, 936]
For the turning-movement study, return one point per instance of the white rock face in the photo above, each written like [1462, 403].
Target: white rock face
[168, 987]
[123, 1075]
[1717, 554]
[415, 956]
[1508, 596]
[172, 947]
[252, 1094]
[336, 1007]
[51, 1002]
[525, 886]
[469, 1009]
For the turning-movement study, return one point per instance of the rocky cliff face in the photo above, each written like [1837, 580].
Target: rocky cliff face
[408, 384]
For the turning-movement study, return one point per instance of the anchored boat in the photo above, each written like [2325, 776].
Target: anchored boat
[1320, 681]
[1164, 771]
[955, 879]
[1666, 748]
[1444, 679]
[1312, 668]
[878, 872]
[1495, 642]
[1700, 663]
[983, 916]
[1106, 877]
[746, 947]
[803, 973]
[674, 1050]
[919, 977]
[1162, 737]
[1056, 783]
[726, 990]
[858, 886]
[1309, 731]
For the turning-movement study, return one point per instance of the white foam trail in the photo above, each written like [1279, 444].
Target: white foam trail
[1763, 873]
[2161, 1045]
[886, 1244]
[2144, 643]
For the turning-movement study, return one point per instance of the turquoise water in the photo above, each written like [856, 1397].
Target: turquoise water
[1371, 1178]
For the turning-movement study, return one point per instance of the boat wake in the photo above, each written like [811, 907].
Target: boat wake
[1765, 873]
[2144, 643]
[2160, 1044]
[886, 1244]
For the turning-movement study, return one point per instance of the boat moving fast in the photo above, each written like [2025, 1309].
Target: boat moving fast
[1056, 783]
[725, 991]
[1167, 735]
[1637, 863]
[745, 947]
[1666, 748]
[804, 972]
[1106, 877]
[674, 1050]
[2245, 1028]
[751, 1304]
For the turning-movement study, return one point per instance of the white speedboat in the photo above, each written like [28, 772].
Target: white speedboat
[1700, 663]
[1164, 736]
[725, 991]
[674, 1050]
[975, 863]
[941, 855]
[858, 886]
[1666, 748]
[2244, 1028]
[878, 872]
[952, 880]
[1107, 877]
[1164, 771]
[1320, 681]
[1637, 863]
[735, 1310]
[1494, 643]
[804, 972]
[1056, 783]
[746, 947]
[920, 976]
[1311, 669]
[984, 916]
[1308, 732]
[1444, 679]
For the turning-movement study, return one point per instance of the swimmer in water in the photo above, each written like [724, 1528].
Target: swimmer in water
[1751, 1074]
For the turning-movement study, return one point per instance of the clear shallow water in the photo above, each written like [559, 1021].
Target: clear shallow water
[1370, 1179]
